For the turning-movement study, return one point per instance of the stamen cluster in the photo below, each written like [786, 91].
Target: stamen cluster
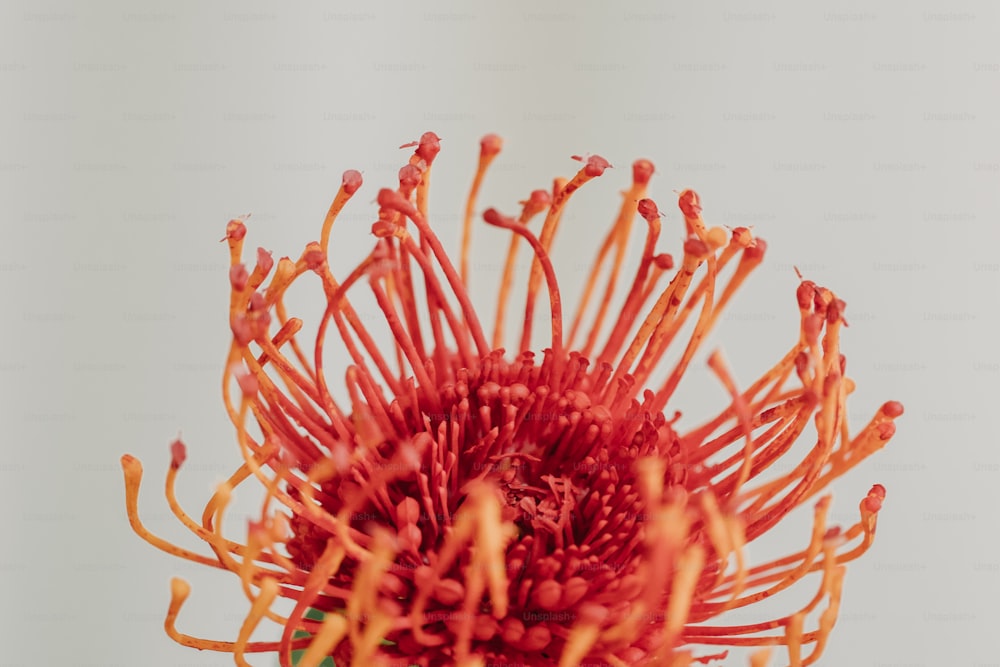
[473, 504]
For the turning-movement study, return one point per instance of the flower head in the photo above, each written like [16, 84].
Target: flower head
[460, 499]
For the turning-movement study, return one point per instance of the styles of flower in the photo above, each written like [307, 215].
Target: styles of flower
[450, 497]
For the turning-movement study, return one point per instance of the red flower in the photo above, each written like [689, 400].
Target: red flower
[458, 503]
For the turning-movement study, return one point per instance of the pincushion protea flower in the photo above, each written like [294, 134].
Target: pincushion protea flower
[471, 505]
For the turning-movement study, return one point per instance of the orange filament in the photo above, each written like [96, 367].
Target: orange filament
[617, 236]
[489, 148]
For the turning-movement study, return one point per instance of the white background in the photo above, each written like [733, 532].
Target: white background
[860, 139]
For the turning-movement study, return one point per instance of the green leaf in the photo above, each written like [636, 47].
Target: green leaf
[313, 615]
[316, 615]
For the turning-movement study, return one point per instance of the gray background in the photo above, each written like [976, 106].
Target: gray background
[860, 140]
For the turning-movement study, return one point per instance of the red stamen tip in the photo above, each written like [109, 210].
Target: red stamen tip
[409, 178]
[892, 409]
[689, 203]
[264, 262]
[801, 363]
[648, 210]
[805, 294]
[876, 496]
[743, 236]
[833, 533]
[490, 145]
[242, 330]
[351, 181]
[394, 201]
[238, 277]
[493, 217]
[235, 230]
[755, 251]
[314, 257]
[835, 312]
[696, 248]
[178, 454]
[642, 170]
[823, 298]
[595, 164]
[429, 147]
[886, 430]
[383, 229]
[664, 261]
[537, 202]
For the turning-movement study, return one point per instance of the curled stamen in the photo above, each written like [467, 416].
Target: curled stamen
[595, 166]
[535, 204]
[493, 217]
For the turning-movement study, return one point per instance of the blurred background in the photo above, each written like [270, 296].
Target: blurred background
[859, 139]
